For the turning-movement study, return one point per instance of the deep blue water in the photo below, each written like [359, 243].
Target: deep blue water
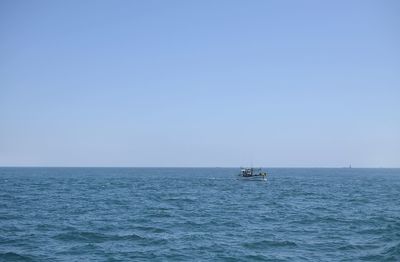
[168, 214]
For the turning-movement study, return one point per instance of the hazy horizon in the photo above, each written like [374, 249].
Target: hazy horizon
[192, 84]
[211, 167]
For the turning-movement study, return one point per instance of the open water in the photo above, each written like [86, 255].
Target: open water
[199, 214]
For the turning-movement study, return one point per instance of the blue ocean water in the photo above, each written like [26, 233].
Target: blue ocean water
[198, 214]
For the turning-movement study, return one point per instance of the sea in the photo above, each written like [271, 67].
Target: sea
[199, 214]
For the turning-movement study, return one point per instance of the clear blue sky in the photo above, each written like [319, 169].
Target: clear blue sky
[200, 83]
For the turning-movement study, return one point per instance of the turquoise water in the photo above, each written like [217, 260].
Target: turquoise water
[168, 214]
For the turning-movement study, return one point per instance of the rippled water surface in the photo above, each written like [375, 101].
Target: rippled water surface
[160, 214]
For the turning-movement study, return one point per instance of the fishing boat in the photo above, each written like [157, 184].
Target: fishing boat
[252, 174]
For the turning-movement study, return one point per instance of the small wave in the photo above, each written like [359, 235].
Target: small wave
[10, 217]
[159, 215]
[180, 200]
[257, 257]
[94, 237]
[151, 229]
[351, 247]
[392, 252]
[128, 237]
[11, 256]
[269, 243]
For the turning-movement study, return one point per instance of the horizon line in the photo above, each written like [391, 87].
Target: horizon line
[321, 167]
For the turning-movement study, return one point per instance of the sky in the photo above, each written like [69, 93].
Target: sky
[200, 83]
